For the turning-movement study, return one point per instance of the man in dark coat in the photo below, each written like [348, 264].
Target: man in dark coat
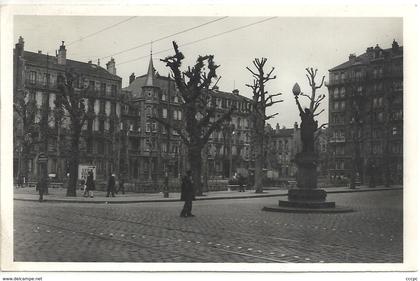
[111, 186]
[187, 195]
[90, 184]
[241, 181]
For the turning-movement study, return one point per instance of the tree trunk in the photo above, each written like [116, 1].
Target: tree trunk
[259, 163]
[205, 169]
[74, 165]
[194, 157]
[58, 152]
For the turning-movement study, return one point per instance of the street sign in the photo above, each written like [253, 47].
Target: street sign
[42, 158]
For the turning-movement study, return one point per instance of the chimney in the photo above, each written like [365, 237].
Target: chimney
[39, 52]
[61, 56]
[99, 62]
[235, 92]
[277, 127]
[369, 52]
[20, 47]
[352, 58]
[132, 78]
[395, 46]
[296, 126]
[110, 66]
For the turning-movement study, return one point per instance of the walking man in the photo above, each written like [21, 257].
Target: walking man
[241, 180]
[111, 186]
[90, 184]
[187, 195]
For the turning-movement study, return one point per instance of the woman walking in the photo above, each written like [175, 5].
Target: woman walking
[90, 184]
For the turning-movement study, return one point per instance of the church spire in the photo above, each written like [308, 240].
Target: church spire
[150, 73]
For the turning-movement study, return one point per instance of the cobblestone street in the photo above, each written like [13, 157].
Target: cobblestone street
[222, 231]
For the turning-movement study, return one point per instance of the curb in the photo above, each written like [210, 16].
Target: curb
[197, 199]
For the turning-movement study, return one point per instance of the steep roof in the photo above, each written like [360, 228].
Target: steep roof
[150, 73]
[90, 69]
[162, 82]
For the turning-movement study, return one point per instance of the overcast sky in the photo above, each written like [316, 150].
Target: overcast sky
[290, 44]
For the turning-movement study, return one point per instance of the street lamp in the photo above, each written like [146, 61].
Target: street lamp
[231, 147]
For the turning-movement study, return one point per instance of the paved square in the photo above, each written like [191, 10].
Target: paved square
[231, 230]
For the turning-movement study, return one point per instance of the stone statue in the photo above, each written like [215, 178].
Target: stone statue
[308, 127]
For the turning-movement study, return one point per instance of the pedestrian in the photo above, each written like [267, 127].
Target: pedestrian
[84, 188]
[120, 186]
[90, 184]
[111, 186]
[187, 195]
[20, 181]
[241, 182]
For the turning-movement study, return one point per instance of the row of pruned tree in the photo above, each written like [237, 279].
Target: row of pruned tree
[199, 110]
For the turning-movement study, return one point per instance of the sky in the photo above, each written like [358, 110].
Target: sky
[289, 43]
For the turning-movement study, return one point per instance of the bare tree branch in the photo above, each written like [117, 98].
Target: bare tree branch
[270, 116]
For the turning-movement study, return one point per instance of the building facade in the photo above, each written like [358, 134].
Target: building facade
[366, 115]
[36, 89]
[156, 150]
[282, 144]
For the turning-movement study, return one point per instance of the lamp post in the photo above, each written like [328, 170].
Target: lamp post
[230, 154]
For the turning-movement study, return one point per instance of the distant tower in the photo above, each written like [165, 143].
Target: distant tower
[62, 53]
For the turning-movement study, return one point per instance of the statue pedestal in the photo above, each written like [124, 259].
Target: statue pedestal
[306, 198]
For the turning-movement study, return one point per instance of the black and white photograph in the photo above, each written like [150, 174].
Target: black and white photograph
[157, 142]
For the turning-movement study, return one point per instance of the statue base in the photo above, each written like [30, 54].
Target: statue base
[306, 176]
[306, 198]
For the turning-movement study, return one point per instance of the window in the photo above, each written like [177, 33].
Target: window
[148, 111]
[113, 90]
[164, 147]
[46, 80]
[148, 127]
[106, 127]
[32, 77]
[154, 127]
[337, 77]
[164, 113]
[91, 85]
[164, 96]
[380, 117]
[336, 93]
[342, 92]
[103, 88]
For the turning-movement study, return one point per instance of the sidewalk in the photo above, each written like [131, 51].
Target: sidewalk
[59, 195]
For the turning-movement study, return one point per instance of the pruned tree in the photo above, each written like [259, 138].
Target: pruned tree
[70, 98]
[261, 101]
[24, 105]
[198, 107]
